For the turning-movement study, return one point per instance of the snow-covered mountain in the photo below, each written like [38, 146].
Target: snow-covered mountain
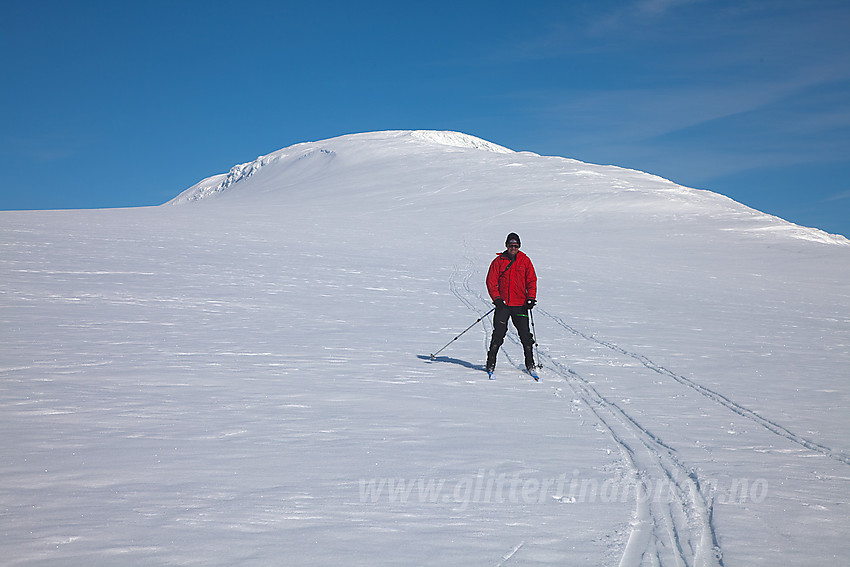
[242, 375]
[589, 188]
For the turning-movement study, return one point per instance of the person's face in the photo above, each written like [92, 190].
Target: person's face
[512, 250]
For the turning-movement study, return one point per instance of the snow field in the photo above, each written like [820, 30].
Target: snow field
[224, 380]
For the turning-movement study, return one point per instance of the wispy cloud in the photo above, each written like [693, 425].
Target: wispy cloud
[705, 87]
[39, 150]
[633, 18]
[843, 196]
[660, 7]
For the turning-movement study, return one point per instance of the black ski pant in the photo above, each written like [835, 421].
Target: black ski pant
[519, 317]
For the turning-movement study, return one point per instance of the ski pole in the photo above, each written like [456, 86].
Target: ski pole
[434, 356]
[534, 335]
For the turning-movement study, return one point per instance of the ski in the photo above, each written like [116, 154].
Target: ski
[530, 371]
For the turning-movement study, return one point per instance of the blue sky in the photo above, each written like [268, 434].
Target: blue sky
[113, 104]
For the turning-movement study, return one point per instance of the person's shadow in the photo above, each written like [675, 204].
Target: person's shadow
[457, 361]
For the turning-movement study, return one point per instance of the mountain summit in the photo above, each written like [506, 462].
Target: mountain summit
[296, 153]
[440, 169]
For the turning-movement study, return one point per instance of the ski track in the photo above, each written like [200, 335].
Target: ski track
[666, 531]
[710, 394]
[507, 557]
[675, 531]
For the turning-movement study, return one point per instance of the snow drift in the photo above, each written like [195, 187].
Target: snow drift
[242, 376]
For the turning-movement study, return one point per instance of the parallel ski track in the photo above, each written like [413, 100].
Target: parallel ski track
[462, 291]
[673, 526]
[677, 530]
[710, 394]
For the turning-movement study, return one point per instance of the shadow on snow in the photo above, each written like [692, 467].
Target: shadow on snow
[457, 361]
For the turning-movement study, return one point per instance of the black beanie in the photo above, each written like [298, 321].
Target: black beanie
[513, 236]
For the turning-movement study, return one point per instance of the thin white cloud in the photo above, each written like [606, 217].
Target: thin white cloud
[629, 17]
[694, 89]
[844, 195]
[40, 150]
[661, 7]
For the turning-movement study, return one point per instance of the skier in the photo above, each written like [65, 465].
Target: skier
[512, 284]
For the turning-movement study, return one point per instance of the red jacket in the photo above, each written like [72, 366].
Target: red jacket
[513, 282]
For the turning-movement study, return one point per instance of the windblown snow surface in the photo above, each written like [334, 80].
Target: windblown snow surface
[243, 376]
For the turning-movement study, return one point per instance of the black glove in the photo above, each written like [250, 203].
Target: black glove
[499, 303]
[530, 303]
